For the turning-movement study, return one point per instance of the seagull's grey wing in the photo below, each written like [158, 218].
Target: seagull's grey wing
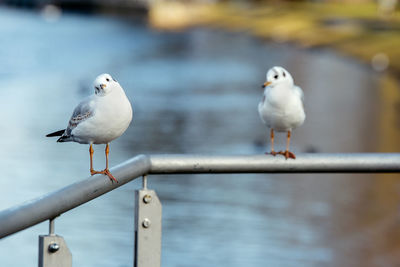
[82, 112]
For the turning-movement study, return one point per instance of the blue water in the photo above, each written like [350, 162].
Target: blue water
[192, 92]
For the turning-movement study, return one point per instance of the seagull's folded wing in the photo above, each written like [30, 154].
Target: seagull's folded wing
[82, 112]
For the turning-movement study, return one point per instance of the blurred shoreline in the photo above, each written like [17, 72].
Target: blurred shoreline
[360, 30]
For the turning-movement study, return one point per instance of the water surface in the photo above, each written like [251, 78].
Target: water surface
[192, 92]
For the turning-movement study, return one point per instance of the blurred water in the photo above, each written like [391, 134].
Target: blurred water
[193, 92]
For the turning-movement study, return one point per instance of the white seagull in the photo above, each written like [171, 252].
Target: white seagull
[281, 108]
[99, 119]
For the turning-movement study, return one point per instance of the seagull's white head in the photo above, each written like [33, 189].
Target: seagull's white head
[104, 84]
[278, 75]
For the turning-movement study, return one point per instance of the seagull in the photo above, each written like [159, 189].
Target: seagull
[281, 108]
[99, 119]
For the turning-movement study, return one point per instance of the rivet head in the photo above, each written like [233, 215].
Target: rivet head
[54, 247]
[147, 199]
[146, 223]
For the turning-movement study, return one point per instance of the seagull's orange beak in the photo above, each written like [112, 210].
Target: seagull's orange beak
[102, 86]
[266, 84]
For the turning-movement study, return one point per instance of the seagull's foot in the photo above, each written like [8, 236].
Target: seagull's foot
[112, 178]
[106, 172]
[273, 153]
[287, 154]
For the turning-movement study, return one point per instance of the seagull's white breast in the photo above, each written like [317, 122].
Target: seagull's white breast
[281, 108]
[112, 116]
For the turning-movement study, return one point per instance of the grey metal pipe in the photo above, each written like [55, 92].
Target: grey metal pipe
[304, 163]
[51, 205]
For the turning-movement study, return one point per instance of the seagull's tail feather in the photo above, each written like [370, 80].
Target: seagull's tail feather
[58, 133]
[64, 137]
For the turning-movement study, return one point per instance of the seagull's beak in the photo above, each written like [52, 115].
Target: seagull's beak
[266, 84]
[102, 86]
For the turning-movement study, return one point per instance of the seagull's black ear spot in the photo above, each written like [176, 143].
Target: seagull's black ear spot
[114, 80]
[284, 74]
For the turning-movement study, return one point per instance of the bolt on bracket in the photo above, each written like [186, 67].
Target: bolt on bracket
[53, 251]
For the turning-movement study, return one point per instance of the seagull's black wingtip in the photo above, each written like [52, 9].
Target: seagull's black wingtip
[58, 133]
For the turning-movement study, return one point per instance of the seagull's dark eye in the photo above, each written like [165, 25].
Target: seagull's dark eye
[284, 74]
[107, 80]
[276, 77]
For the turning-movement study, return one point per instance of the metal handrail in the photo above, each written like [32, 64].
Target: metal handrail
[53, 204]
[304, 163]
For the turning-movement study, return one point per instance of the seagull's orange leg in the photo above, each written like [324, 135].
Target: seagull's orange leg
[107, 152]
[287, 153]
[91, 159]
[273, 153]
[106, 171]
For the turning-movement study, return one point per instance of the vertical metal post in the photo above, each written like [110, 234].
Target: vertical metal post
[53, 251]
[148, 212]
[51, 227]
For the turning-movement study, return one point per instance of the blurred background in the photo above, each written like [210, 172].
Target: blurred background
[193, 71]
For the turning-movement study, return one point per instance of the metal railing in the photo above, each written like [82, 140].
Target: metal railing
[54, 204]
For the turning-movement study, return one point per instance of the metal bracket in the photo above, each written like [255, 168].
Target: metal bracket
[148, 211]
[53, 250]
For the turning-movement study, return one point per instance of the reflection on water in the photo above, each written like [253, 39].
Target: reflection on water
[193, 92]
